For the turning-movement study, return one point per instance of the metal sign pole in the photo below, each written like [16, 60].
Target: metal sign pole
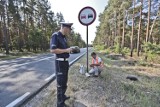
[87, 16]
[87, 48]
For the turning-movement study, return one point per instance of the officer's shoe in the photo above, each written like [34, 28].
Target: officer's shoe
[65, 105]
[66, 97]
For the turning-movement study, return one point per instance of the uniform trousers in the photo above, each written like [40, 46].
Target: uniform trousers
[62, 68]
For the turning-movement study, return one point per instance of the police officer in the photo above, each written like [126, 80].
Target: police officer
[58, 45]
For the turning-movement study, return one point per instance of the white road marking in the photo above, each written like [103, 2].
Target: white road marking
[76, 58]
[4, 68]
[49, 78]
[33, 61]
[15, 102]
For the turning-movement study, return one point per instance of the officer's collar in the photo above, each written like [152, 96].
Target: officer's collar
[62, 34]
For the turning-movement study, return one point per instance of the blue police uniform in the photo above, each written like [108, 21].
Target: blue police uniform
[58, 40]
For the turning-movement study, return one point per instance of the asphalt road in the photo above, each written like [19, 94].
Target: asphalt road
[20, 77]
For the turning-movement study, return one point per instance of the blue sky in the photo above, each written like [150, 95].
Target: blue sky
[70, 10]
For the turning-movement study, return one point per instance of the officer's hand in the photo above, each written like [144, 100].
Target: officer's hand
[68, 50]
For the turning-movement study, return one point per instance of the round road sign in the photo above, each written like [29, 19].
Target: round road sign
[87, 16]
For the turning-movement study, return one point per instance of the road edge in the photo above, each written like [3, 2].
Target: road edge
[29, 97]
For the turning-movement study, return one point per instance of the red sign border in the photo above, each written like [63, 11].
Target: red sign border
[92, 20]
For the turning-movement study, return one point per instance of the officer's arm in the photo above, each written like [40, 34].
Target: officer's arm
[54, 44]
[60, 51]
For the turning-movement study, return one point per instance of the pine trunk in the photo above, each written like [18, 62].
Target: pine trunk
[148, 25]
[139, 30]
[131, 54]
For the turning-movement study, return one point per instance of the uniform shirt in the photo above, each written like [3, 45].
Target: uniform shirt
[58, 40]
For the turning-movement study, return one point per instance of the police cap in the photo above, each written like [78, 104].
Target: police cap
[66, 24]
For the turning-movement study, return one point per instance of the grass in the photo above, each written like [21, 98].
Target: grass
[50, 100]
[140, 96]
[112, 89]
[145, 92]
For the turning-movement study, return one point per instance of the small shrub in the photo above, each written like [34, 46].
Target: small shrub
[125, 51]
[151, 51]
[117, 48]
[108, 51]
[143, 63]
[99, 47]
